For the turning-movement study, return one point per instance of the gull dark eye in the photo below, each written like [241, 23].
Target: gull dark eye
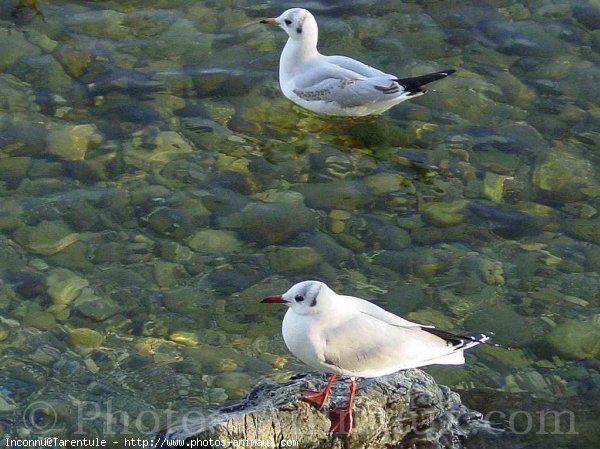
[288, 22]
[299, 298]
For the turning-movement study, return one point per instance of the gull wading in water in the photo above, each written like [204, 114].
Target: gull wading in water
[336, 85]
[344, 335]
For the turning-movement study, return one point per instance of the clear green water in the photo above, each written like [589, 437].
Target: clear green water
[155, 185]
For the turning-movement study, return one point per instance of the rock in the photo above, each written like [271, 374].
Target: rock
[446, 213]
[13, 46]
[180, 39]
[330, 250]
[583, 229]
[71, 142]
[184, 338]
[86, 337]
[335, 195]
[506, 223]
[46, 238]
[576, 339]
[561, 175]
[214, 241]
[170, 221]
[493, 186]
[174, 252]
[382, 183]
[99, 23]
[404, 410]
[97, 308]
[41, 320]
[74, 257]
[17, 96]
[74, 61]
[510, 328]
[293, 259]
[42, 71]
[146, 150]
[491, 272]
[64, 286]
[588, 14]
[7, 405]
[169, 274]
[4, 331]
[236, 384]
[14, 169]
[270, 223]
[188, 301]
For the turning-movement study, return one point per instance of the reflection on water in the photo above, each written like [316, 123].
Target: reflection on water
[156, 185]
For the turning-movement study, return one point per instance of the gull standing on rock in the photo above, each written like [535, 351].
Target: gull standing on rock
[337, 85]
[344, 335]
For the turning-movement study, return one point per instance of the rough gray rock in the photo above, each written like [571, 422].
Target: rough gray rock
[404, 410]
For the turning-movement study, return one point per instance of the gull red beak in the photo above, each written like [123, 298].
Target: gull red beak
[269, 21]
[277, 299]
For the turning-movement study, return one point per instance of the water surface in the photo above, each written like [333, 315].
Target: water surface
[156, 185]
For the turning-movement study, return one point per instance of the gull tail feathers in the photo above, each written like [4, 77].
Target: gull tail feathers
[414, 85]
[462, 341]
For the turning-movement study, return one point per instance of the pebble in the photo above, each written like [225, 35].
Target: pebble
[294, 259]
[446, 213]
[576, 339]
[86, 337]
[64, 285]
[184, 338]
[98, 308]
[71, 142]
[47, 237]
[215, 241]
[43, 321]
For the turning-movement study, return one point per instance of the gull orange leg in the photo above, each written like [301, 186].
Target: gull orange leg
[341, 418]
[318, 398]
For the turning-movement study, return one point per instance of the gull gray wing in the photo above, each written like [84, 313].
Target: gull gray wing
[366, 346]
[373, 310]
[357, 67]
[348, 92]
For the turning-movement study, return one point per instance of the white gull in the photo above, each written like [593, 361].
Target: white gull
[336, 85]
[344, 335]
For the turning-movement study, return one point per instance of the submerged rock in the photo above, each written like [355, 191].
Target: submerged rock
[270, 223]
[576, 339]
[64, 286]
[445, 213]
[562, 176]
[404, 410]
[335, 195]
[510, 328]
[294, 259]
[46, 238]
[215, 241]
[71, 142]
[97, 308]
[84, 336]
[13, 46]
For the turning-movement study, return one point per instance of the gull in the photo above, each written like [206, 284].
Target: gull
[348, 336]
[336, 85]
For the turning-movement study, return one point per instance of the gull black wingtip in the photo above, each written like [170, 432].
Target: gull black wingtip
[414, 85]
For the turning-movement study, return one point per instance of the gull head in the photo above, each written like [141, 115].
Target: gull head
[298, 23]
[305, 298]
